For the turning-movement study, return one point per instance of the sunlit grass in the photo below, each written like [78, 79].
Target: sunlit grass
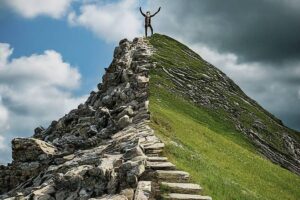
[204, 143]
[227, 167]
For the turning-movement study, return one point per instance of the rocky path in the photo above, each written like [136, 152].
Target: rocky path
[166, 181]
[104, 149]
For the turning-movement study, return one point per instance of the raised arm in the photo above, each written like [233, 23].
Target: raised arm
[142, 12]
[156, 12]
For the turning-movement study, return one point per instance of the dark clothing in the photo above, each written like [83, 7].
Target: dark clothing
[146, 30]
[148, 21]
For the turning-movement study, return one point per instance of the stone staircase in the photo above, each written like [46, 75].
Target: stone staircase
[166, 181]
[104, 149]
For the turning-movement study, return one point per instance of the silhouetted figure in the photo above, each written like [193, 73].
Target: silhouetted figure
[148, 20]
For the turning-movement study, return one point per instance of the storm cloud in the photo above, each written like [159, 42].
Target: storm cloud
[256, 30]
[255, 42]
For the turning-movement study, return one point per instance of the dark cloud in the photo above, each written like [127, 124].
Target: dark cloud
[264, 32]
[263, 36]
[255, 30]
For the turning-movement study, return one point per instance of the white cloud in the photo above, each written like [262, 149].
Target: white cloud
[37, 68]
[110, 21]
[3, 117]
[34, 8]
[33, 91]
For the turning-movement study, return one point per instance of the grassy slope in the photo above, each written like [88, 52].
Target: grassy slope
[218, 158]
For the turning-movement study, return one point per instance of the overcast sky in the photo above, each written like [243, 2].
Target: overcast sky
[52, 54]
[255, 42]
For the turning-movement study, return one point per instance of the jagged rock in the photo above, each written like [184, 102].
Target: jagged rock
[92, 131]
[108, 101]
[96, 151]
[130, 171]
[133, 152]
[127, 111]
[78, 157]
[124, 121]
[143, 191]
[30, 149]
[38, 131]
[129, 193]
[292, 146]
[142, 79]
[44, 193]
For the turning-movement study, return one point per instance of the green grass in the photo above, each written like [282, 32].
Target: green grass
[172, 54]
[220, 161]
[201, 142]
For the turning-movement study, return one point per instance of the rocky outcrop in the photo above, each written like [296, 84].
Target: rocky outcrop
[102, 150]
[95, 150]
[31, 149]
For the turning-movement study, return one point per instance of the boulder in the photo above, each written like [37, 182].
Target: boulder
[124, 121]
[132, 153]
[143, 191]
[142, 79]
[31, 149]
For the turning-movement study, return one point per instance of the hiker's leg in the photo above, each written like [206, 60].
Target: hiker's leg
[146, 30]
[151, 29]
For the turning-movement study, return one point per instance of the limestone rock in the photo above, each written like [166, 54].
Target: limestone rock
[133, 152]
[172, 176]
[129, 193]
[185, 188]
[124, 121]
[30, 149]
[176, 196]
[143, 191]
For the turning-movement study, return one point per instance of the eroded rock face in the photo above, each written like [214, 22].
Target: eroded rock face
[94, 151]
[31, 149]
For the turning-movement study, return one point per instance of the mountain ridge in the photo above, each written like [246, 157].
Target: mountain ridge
[207, 86]
[157, 98]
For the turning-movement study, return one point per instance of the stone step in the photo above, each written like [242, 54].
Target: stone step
[150, 140]
[152, 155]
[177, 196]
[154, 146]
[172, 176]
[186, 188]
[153, 151]
[157, 159]
[160, 165]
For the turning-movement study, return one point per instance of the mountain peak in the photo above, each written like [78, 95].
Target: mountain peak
[110, 147]
[206, 86]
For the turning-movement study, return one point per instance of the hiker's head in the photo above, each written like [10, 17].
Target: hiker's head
[148, 13]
